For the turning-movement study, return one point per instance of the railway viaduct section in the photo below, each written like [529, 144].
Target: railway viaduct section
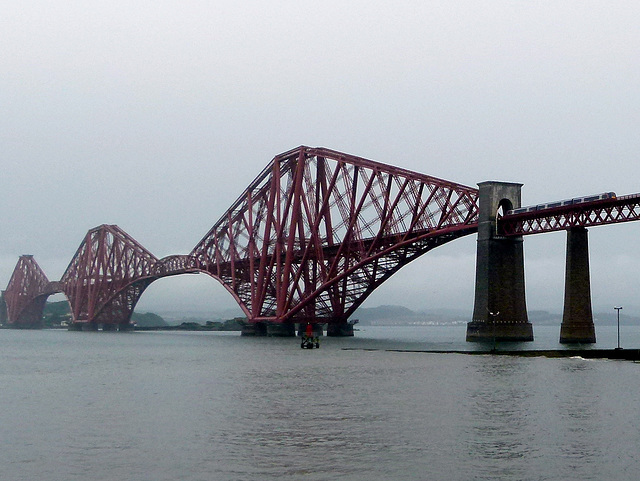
[316, 233]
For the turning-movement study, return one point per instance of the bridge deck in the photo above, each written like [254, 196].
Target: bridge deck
[586, 214]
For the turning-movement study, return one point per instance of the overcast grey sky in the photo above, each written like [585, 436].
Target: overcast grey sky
[156, 115]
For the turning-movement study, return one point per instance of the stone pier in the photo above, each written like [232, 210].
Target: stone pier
[281, 330]
[342, 329]
[254, 329]
[577, 318]
[500, 310]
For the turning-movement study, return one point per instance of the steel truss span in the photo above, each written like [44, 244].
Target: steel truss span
[318, 230]
[310, 238]
[26, 293]
[612, 210]
[107, 276]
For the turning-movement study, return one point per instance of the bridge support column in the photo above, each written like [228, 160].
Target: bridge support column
[342, 329]
[577, 318]
[281, 330]
[500, 311]
[83, 326]
[254, 329]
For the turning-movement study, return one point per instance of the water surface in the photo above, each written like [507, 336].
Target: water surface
[217, 406]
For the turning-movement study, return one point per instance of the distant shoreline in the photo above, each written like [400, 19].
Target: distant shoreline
[613, 354]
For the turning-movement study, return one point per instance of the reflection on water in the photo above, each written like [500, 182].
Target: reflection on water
[200, 406]
[500, 417]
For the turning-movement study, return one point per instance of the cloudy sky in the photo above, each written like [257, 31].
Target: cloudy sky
[156, 115]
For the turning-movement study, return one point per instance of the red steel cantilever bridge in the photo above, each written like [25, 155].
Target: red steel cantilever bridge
[309, 240]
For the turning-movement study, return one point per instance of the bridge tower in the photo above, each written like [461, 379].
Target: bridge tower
[500, 310]
[577, 318]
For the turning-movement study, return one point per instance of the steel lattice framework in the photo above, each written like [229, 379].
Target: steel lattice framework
[310, 238]
[103, 282]
[600, 212]
[107, 276]
[318, 230]
[26, 293]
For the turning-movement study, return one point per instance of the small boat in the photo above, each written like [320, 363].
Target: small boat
[309, 341]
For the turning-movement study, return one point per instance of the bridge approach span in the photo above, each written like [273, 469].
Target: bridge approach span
[613, 210]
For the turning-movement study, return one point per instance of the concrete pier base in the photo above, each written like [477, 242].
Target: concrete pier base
[109, 327]
[343, 329]
[480, 331]
[254, 329]
[577, 317]
[281, 330]
[577, 333]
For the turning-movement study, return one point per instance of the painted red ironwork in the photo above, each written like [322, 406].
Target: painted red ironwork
[107, 276]
[26, 294]
[586, 214]
[103, 282]
[174, 265]
[318, 230]
[312, 236]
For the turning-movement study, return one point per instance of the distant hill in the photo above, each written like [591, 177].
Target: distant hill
[148, 319]
[57, 312]
[177, 317]
[394, 315]
[385, 315]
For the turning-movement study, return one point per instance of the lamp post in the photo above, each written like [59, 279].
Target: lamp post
[618, 309]
[493, 316]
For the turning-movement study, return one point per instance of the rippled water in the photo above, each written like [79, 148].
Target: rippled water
[216, 406]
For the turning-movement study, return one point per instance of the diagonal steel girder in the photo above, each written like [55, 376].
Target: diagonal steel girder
[311, 237]
[26, 293]
[318, 230]
[107, 276]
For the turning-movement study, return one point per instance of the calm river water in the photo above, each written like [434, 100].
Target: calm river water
[216, 406]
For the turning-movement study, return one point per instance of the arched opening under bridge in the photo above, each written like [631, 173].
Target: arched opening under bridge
[194, 297]
[57, 311]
